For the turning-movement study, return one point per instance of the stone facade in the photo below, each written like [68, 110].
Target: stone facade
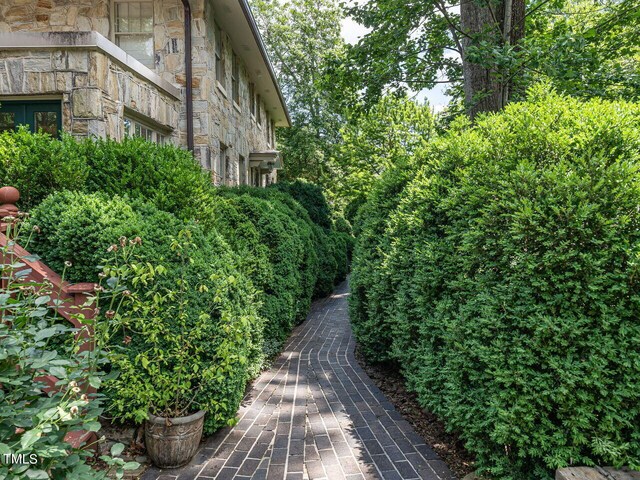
[96, 91]
[99, 85]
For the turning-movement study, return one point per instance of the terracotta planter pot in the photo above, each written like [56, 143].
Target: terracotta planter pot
[172, 442]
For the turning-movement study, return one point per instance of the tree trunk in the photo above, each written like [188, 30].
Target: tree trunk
[485, 89]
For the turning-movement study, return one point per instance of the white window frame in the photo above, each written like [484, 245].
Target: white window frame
[219, 58]
[115, 33]
[143, 130]
[235, 78]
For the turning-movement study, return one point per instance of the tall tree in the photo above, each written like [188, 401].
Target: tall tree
[477, 46]
[303, 38]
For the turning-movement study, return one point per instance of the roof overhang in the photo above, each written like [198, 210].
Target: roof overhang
[267, 160]
[236, 19]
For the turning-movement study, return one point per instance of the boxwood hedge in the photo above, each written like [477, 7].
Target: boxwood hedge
[501, 272]
[79, 228]
[84, 195]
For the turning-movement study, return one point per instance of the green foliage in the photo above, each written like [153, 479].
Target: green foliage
[39, 165]
[390, 132]
[274, 250]
[311, 197]
[165, 175]
[501, 272]
[303, 39]
[587, 48]
[206, 295]
[371, 291]
[154, 192]
[34, 418]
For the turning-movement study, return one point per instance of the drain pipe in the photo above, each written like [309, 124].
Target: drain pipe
[188, 67]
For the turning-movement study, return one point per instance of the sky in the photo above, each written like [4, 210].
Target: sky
[353, 31]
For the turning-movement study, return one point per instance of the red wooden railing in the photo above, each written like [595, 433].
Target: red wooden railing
[69, 300]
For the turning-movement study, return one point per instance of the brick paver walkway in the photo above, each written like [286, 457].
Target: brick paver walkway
[315, 414]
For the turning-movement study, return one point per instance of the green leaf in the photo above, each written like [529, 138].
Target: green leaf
[37, 474]
[30, 437]
[117, 449]
[92, 426]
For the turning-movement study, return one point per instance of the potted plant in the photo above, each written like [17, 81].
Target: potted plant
[160, 375]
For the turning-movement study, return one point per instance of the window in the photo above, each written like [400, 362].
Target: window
[7, 121]
[218, 55]
[273, 133]
[227, 177]
[252, 99]
[133, 128]
[134, 30]
[242, 166]
[221, 174]
[40, 116]
[235, 79]
[266, 130]
[258, 114]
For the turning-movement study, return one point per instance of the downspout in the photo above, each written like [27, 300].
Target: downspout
[188, 67]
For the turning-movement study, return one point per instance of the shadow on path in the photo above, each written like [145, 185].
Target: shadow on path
[315, 415]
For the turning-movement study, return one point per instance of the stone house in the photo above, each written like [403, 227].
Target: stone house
[191, 72]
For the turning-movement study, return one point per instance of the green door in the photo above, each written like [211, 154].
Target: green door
[38, 115]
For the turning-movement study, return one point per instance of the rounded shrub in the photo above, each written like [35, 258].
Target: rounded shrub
[38, 164]
[275, 251]
[220, 302]
[165, 175]
[508, 265]
[312, 199]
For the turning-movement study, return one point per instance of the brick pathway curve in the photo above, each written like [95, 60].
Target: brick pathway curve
[315, 414]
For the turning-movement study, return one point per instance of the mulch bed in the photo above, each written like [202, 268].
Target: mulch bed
[447, 445]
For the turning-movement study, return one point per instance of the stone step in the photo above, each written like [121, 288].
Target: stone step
[598, 473]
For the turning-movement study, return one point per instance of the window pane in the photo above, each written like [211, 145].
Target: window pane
[139, 47]
[47, 122]
[147, 17]
[122, 17]
[134, 17]
[7, 121]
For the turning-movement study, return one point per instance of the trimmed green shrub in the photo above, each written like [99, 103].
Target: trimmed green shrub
[328, 264]
[221, 303]
[371, 293]
[37, 165]
[263, 232]
[502, 274]
[165, 175]
[311, 197]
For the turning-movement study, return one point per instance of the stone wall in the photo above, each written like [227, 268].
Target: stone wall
[55, 16]
[95, 88]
